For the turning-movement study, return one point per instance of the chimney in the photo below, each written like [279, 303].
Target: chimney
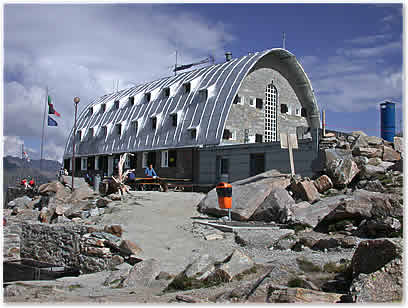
[228, 56]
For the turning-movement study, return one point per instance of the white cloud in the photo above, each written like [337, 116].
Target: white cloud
[79, 50]
[370, 39]
[12, 145]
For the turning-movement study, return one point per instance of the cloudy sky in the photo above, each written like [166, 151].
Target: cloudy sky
[351, 52]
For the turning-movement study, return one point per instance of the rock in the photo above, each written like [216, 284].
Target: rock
[367, 152]
[128, 247]
[142, 274]
[276, 207]
[312, 215]
[384, 250]
[305, 190]
[85, 214]
[323, 183]
[114, 229]
[83, 192]
[374, 186]
[62, 219]
[201, 267]
[213, 236]
[399, 144]
[261, 238]
[21, 203]
[133, 259]
[116, 278]
[14, 290]
[117, 260]
[371, 172]
[285, 242]
[342, 172]
[398, 166]
[360, 161]
[323, 244]
[386, 164]
[358, 133]
[351, 139]
[115, 197]
[102, 252]
[375, 161]
[280, 294]
[102, 202]
[234, 265]
[374, 228]
[93, 212]
[52, 187]
[382, 286]
[335, 154]
[373, 140]
[28, 215]
[247, 195]
[390, 155]
[75, 210]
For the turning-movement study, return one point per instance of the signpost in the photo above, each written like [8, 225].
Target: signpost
[289, 141]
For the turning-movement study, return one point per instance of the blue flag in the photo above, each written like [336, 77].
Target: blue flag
[52, 122]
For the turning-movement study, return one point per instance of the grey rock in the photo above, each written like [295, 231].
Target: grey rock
[261, 238]
[323, 183]
[371, 172]
[102, 202]
[143, 274]
[21, 203]
[236, 264]
[115, 278]
[374, 186]
[390, 154]
[201, 267]
[276, 207]
[336, 154]
[360, 161]
[281, 294]
[85, 214]
[76, 209]
[247, 195]
[93, 212]
[399, 144]
[342, 172]
[375, 161]
[386, 164]
[367, 152]
[373, 140]
[305, 190]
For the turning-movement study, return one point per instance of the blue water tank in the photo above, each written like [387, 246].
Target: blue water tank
[387, 121]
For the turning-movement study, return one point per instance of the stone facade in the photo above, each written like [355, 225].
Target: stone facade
[246, 115]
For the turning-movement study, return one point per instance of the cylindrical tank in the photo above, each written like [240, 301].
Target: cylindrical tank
[387, 121]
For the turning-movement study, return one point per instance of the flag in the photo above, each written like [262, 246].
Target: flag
[26, 156]
[52, 122]
[51, 109]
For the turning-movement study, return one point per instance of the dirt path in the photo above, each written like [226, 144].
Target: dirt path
[160, 224]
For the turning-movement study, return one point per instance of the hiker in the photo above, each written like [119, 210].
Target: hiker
[24, 183]
[31, 183]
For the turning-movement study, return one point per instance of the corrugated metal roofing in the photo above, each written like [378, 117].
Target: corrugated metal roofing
[204, 109]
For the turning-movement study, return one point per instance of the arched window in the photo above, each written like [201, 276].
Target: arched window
[270, 119]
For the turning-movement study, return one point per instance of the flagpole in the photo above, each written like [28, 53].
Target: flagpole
[42, 137]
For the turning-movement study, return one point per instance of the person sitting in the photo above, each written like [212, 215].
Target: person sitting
[149, 172]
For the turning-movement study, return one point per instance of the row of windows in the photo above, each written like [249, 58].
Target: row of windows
[253, 101]
[147, 96]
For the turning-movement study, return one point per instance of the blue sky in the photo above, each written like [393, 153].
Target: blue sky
[352, 54]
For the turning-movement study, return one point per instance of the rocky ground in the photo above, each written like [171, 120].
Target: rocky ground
[334, 238]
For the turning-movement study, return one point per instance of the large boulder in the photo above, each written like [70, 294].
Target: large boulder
[276, 207]
[373, 140]
[143, 274]
[201, 267]
[305, 190]
[247, 195]
[76, 209]
[128, 248]
[313, 214]
[342, 171]
[281, 294]
[390, 155]
[335, 154]
[371, 172]
[234, 265]
[367, 152]
[83, 192]
[360, 161]
[21, 203]
[323, 183]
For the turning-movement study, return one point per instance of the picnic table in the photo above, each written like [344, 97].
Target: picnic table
[150, 183]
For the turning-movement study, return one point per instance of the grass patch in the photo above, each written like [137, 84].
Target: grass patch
[295, 283]
[252, 270]
[182, 283]
[72, 287]
[307, 266]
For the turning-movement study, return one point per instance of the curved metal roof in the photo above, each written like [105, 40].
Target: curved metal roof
[204, 109]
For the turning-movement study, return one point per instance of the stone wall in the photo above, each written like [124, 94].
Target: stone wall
[70, 245]
[244, 116]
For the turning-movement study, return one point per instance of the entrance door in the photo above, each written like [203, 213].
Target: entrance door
[257, 163]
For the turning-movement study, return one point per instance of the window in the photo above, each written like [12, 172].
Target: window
[79, 135]
[203, 94]
[91, 132]
[164, 159]
[104, 130]
[154, 123]
[270, 113]
[187, 87]
[237, 99]
[233, 135]
[96, 162]
[119, 129]
[174, 119]
[135, 126]
[193, 133]
[131, 100]
[227, 134]
[252, 101]
[172, 158]
[103, 107]
[126, 165]
[90, 111]
[148, 95]
[166, 92]
[297, 111]
[84, 163]
[284, 108]
[145, 159]
[116, 104]
[259, 103]
[258, 138]
[303, 112]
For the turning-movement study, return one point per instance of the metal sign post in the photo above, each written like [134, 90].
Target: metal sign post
[289, 141]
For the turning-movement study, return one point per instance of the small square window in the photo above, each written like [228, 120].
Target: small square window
[148, 95]
[131, 100]
[166, 92]
[227, 134]
[193, 133]
[135, 126]
[284, 108]
[203, 95]
[187, 87]
[174, 120]
[237, 99]
[154, 123]
[252, 102]
[90, 112]
[259, 103]
[103, 107]
[303, 112]
[116, 104]
[79, 135]
[172, 158]
[258, 138]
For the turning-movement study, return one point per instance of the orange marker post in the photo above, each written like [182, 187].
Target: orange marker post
[224, 193]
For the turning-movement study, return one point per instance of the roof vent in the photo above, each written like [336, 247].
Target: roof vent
[228, 56]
